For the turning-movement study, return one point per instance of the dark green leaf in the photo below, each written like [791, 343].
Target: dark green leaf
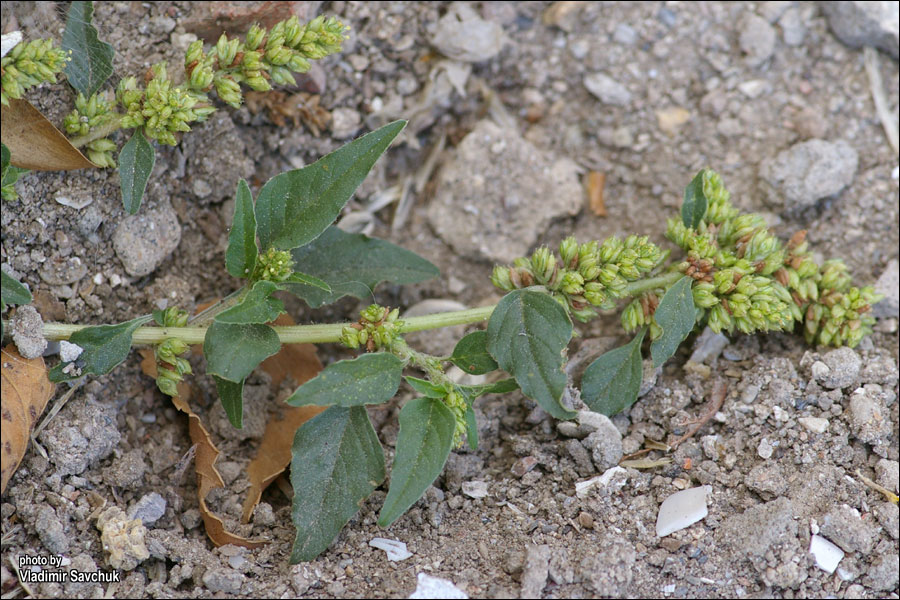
[104, 348]
[611, 383]
[471, 355]
[257, 306]
[353, 264]
[12, 292]
[526, 335]
[10, 177]
[676, 316]
[423, 445]
[369, 379]
[4, 160]
[136, 162]
[426, 388]
[471, 392]
[296, 278]
[336, 463]
[240, 257]
[91, 62]
[233, 351]
[295, 207]
[231, 395]
[471, 428]
[695, 202]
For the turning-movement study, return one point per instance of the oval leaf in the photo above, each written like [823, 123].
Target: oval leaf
[231, 395]
[240, 257]
[136, 162]
[12, 292]
[233, 351]
[426, 388]
[104, 348]
[423, 445]
[257, 306]
[676, 315]
[693, 209]
[471, 355]
[34, 143]
[526, 335]
[611, 383]
[91, 59]
[471, 392]
[369, 379]
[353, 264]
[471, 428]
[296, 278]
[295, 207]
[336, 463]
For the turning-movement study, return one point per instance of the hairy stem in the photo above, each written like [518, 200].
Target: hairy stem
[98, 132]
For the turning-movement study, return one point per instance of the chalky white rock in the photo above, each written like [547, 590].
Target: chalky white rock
[682, 509]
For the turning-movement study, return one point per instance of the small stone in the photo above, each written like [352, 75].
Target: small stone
[429, 587]
[586, 520]
[609, 570]
[26, 328]
[843, 368]
[475, 489]
[671, 119]
[814, 424]
[143, 241]
[757, 39]
[463, 35]
[765, 449]
[127, 471]
[845, 527]
[149, 509]
[396, 550]
[793, 30]
[708, 346]
[682, 509]
[861, 23]
[888, 514]
[869, 416]
[59, 270]
[51, 531]
[883, 572]
[887, 474]
[607, 89]
[223, 580]
[827, 555]
[345, 122]
[888, 284]
[767, 480]
[583, 464]
[83, 435]
[263, 515]
[535, 571]
[523, 465]
[625, 35]
[605, 445]
[755, 88]
[122, 539]
[191, 518]
[808, 171]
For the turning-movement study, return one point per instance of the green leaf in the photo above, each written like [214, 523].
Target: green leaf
[136, 162]
[295, 207]
[676, 315]
[353, 264]
[233, 351]
[257, 306]
[296, 278]
[426, 388]
[611, 383]
[10, 176]
[104, 348]
[4, 160]
[240, 257]
[369, 379]
[471, 355]
[695, 202]
[526, 335]
[231, 395]
[423, 445]
[471, 392]
[12, 292]
[471, 428]
[336, 463]
[91, 62]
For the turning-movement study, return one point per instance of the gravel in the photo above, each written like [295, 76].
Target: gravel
[807, 172]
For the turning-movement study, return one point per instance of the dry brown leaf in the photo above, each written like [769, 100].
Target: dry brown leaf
[594, 182]
[208, 477]
[34, 143]
[25, 392]
[301, 107]
[274, 454]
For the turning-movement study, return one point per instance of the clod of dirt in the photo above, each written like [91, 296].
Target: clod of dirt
[122, 538]
[145, 240]
[807, 172]
[26, 328]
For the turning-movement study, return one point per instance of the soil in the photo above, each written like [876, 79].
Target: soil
[725, 85]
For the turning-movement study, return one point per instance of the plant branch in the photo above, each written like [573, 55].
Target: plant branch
[652, 283]
[98, 133]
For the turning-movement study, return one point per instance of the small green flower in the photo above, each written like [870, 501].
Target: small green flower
[30, 64]
[273, 265]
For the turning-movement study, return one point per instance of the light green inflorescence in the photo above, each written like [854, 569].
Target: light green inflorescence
[170, 367]
[28, 65]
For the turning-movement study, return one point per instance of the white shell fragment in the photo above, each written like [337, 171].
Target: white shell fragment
[475, 489]
[682, 509]
[583, 487]
[435, 587]
[395, 549]
[827, 555]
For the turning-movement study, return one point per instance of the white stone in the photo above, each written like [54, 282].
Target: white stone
[69, 351]
[827, 555]
[682, 509]
[474, 489]
[395, 549]
[583, 487]
[435, 587]
[814, 424]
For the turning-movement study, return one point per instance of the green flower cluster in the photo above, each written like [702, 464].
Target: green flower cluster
[378, 327]
[89, 113]
[273, 265]
[27, 65]
[261, 57]
[746, 279]
[170, 367]
[457, 405]
[583, 276]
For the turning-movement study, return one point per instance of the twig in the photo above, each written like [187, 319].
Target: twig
[870, 56]
[716, 399]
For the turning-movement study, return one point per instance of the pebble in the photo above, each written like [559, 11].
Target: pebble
[808, 171]
[765, 449]
[708, 346]
[860, 24]
[883, 573]
[59, 270]
[84, 434]
[793, 30]
[814, 424]
[345, 122]
[869, 417]
[493, 206]
[888, 284]
[888, 514]
[143, 241]
[827, 555]
[395, 550]
[430, 587]
[51, 531]
[585, 423]
[757, 39]
[607, 89]
[845, 527]
[625, 35]
[223, 580]
[463, 35]
[605, 445]
[26, 328]
[128, 470]
[887, 474]
[535, 571]
[149, 509]
[475, 489]
[682, 509]
[523, 465]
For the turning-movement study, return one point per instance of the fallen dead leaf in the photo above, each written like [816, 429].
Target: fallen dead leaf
[300, 108]
[34, 143]
[25, 392]
[594, 183]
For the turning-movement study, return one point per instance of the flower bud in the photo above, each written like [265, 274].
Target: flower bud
[500, 278]
[568, 251]
[254, 37]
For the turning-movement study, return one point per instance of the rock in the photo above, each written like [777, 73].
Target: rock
[535, 571]
[757, 39]
[887, 474]
[585, 423]
[883, 572]
[605, 445]
[127, 471]
[625, 35]
[59, 270]
[844, 526]
[888, 284]
[463, 35]
[888, 514]
[499, 193]
[122, 539]
[143, 241]
[869, 416]
[149, 509]
[708, 346]
[610, 570]
[607, 89]
[51, 531]
[838, 369]
[83, 435]
[582, 458]
[223, 580]
[345, 122]
[434, 587]
[765, 449]
[827, 555]
[814, 424]
[26, 328]
[793, 30]
[475, 489]
[523, 465]
[860, 24]
[806, 172]
[767, 480]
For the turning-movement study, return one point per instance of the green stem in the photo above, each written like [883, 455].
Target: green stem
[99, 132]
[652, 283]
